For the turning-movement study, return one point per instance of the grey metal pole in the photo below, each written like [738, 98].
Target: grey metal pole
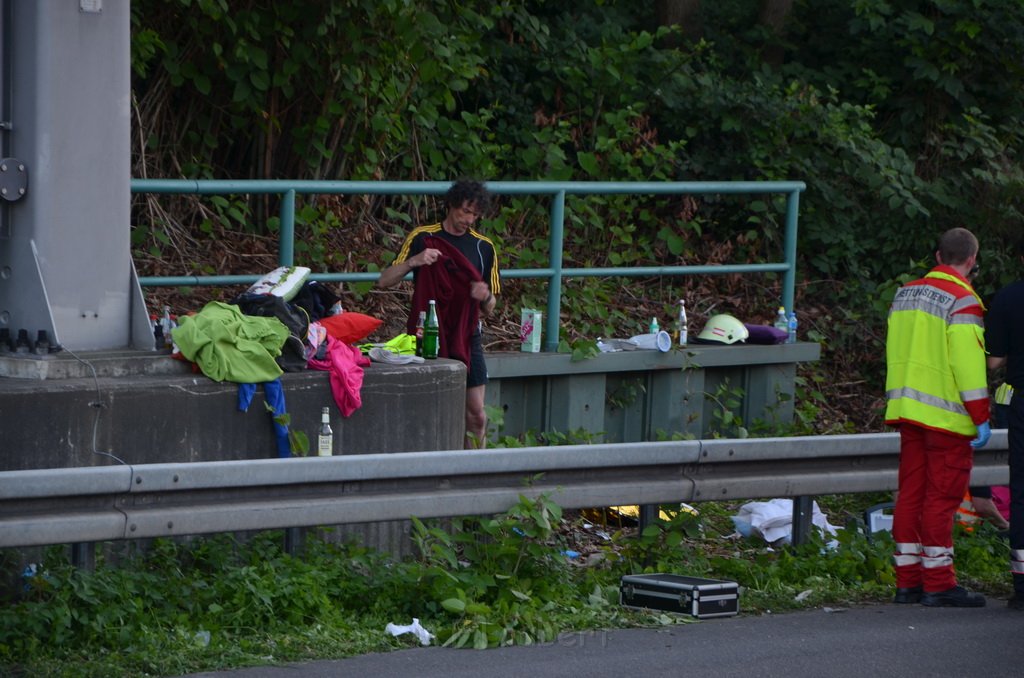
[83, 555]
[803, 511]
[554, 309]
[789, 278]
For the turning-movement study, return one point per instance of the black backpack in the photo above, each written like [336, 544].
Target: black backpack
[312, 302]
[293, 355]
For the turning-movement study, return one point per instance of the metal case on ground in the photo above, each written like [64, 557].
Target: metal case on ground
[701, 598]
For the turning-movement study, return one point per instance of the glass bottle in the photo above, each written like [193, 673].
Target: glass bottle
[325, 437]
[419, 333]
[168, 325]
[682, 334]
[430, 333]
[158, 334]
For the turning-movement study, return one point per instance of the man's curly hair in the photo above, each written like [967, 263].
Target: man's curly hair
[473, 192]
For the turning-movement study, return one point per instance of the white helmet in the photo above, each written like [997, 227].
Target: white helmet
[723, 329]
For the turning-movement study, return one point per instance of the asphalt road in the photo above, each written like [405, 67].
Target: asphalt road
[865, 641]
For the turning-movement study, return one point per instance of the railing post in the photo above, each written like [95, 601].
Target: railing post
[789, 278]
[803, 512]
[83, 555]
[287, 237]
[648, 514]
[294, 540]
[555, 282]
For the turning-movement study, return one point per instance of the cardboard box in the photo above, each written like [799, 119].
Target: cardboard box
[701, 598]
[529, 333]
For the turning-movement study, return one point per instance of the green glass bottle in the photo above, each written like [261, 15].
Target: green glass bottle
[430, 333]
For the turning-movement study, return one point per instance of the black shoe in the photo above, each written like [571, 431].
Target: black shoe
[908, 596]
[957, 596]
[1016, 603]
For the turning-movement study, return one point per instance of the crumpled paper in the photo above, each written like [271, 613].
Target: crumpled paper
[424, 635]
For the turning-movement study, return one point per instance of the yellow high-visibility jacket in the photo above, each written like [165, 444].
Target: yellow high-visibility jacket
[935, 355]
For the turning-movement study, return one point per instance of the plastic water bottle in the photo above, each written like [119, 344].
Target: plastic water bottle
[781, 322]
[653, 327]
[791, 328]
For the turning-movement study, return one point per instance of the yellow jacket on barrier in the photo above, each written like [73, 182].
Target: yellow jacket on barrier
[935, 354]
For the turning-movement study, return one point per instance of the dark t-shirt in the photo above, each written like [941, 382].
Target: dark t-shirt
[477, 248]
[1004, 331]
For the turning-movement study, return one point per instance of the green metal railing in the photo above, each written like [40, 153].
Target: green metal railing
[558, 190]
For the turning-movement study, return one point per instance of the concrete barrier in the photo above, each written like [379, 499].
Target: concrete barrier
[144, 408]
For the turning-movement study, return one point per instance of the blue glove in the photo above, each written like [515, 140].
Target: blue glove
[984, 433]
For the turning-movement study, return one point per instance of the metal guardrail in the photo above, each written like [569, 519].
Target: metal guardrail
[558, 190]
[74, 505]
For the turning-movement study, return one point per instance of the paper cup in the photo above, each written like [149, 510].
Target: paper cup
[660, 341]
[663, 341]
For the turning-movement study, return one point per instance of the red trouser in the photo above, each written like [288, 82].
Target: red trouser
[935, 468]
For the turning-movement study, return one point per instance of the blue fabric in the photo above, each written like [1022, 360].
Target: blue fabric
[273, 393]
[245, 394]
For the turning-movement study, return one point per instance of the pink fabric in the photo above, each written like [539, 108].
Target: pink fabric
[345, 364]
[1001, 498]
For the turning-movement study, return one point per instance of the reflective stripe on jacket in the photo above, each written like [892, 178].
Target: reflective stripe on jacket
[935, 355]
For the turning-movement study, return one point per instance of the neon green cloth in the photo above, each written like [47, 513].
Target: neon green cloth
[228, 345]
[402, 344]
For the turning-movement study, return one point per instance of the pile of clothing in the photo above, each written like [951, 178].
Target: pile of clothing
[261, 334]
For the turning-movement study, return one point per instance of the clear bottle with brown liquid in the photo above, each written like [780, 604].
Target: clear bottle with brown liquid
[419, 333]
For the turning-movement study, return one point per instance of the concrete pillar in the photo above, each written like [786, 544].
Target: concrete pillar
[65, 259]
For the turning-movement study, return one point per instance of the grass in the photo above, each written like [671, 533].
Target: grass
[216, 603]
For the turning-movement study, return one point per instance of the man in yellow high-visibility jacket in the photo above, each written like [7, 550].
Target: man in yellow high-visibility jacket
[938, 398]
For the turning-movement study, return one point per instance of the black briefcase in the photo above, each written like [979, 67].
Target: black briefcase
[701, 598]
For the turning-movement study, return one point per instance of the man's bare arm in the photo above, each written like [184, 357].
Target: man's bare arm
[391, 275]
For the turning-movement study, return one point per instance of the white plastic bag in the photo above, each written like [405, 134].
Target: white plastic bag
[424, 635]
[773, 520]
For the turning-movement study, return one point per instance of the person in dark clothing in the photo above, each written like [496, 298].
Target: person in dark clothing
[980, 502]
[474, 292]
[1005, 342]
